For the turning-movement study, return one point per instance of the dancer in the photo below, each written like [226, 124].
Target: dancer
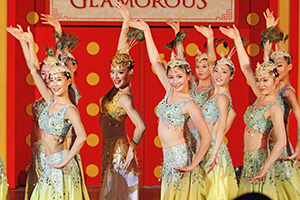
[221, 184]
[37, 151]
[120, 172]
[61, 177]
[265, 114]
[173, 111]
[287, 175]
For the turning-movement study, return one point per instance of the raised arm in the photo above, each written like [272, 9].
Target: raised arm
[33, 67]
[176, 27]
[126, 102]
[73, 116]
[17, 33]
[152, 52]
[124, 11]
[276, 115]
[244, 59]
[209, 34]
[270, 19]
[50, 20]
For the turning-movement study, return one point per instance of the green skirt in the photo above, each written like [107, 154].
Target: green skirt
[54, 184]
[287, 176]
[220, 183]
[174, 186]
[253, 162]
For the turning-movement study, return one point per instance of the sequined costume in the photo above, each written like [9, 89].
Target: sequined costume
[54, 183]
[254, 160]
[173, 185]
[116, 183]
[287, 176]
[193, 135]
[3, 182]
[221, 183]
[37, 161]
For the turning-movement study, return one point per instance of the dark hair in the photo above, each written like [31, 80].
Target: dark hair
[288, 59]
[250, 196]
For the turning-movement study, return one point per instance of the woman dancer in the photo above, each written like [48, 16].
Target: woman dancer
[173, 112]
[221, 184]
[287, 175]
[37, 150]
[61, 177]
[120, 172]
[265, 114]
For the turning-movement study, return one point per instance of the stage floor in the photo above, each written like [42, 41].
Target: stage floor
[146, 193]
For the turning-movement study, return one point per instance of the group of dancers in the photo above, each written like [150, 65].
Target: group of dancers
[194, 117]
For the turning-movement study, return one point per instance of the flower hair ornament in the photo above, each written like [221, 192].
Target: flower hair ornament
[266, 67]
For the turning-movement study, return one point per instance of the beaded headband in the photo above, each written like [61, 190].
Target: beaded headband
[200, 56]
[176, 61]
[266, 67]
[280, 53]
[227, 61]
[60, 67]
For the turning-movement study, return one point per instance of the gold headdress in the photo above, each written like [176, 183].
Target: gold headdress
[176, 61]
[120, 58]
[134, 36]
[266, 67]
[60, 67]
[280, 53]
[227, 61]
[200, 56]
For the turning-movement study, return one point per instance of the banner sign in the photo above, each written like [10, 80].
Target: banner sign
[150, 10]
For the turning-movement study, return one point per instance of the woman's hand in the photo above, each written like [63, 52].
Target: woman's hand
[62, 166]
[206, 31]
[49, 19]
[27, 36]
[261, 175]
[139, 24]
[186, 169]
[16, 32]
[270, 19]
[214, 161]
[129, 157]
[174, 24]
[123, 10]
[232, 33]
[294, 157]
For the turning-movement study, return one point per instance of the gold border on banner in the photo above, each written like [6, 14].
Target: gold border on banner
[213, 11]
